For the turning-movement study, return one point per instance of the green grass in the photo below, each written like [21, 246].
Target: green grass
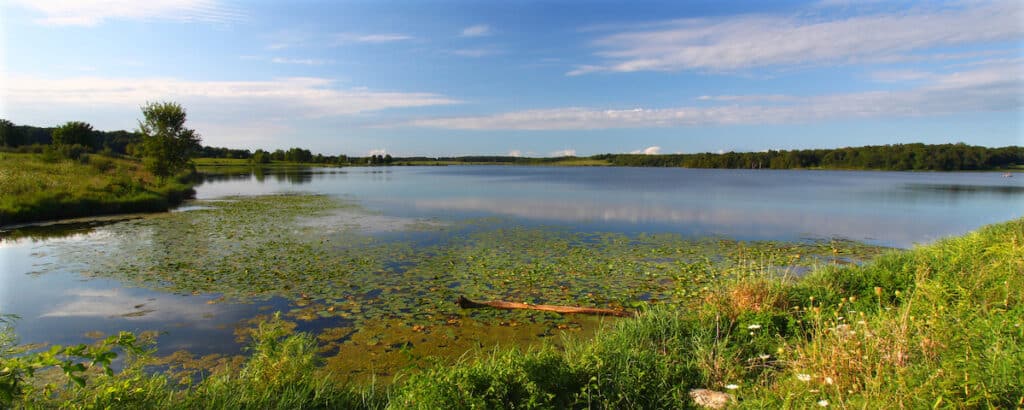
[939, 326]
[40, 187]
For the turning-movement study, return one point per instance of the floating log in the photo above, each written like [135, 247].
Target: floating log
[465, 303]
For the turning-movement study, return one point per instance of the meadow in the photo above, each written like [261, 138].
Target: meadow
[47, 186]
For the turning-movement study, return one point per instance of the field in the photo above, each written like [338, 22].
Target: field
[40, 187]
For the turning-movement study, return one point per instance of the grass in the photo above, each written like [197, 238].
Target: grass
[40, 187]
[936, 326]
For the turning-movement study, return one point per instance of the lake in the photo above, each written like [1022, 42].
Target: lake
[372, 258]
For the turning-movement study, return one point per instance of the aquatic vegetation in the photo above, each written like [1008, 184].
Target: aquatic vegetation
[937, 326]
[401, 290]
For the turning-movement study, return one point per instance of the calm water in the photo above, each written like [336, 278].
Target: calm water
[888, 208]
[894, 209]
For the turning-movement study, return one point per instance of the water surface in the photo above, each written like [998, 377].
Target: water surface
[60, 279]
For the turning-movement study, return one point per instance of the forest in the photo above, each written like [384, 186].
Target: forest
[897, 157]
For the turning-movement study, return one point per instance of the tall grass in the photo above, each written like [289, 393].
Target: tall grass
[937, 326]
[41, 187]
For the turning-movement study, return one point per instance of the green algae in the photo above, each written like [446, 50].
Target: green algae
[384, 305]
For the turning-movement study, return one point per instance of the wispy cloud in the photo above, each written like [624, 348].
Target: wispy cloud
[301, 61]
[769, 40]
[475, 52]
[347, 38]
[653, 150]
[987, 89]
[515, 153]
[901, 76]
[564, 153]
[301, 96]
[478, 30]
[94, 12]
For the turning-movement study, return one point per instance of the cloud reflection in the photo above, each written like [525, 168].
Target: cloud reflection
[723, 220]
[116, 303]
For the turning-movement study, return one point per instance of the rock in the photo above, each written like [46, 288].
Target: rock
[711, 399]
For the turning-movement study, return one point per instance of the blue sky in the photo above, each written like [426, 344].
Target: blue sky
[533, 78]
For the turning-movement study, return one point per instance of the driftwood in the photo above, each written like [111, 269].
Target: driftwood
[500, 304]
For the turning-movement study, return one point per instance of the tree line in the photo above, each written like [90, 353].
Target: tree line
[897, 157]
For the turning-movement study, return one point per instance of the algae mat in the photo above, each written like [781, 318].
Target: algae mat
[379, 290]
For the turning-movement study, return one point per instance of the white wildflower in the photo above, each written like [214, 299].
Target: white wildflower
[731, 386]
[828, 380]
[754, 327]
[804, 377]
[823, 403]
[764, 356]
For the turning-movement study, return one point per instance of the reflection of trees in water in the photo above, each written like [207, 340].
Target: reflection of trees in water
[293, 176]
[260, 174]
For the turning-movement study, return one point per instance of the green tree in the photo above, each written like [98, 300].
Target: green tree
[166, 144]
[74, 133]
[261, 157]
[10, 135]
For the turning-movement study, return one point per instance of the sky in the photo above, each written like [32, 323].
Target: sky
[530, 78]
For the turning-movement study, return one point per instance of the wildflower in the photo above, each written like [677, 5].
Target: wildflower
[828, 380]
[804, 377]
[878, 291]
[852, 299]
[823, 403]
[861, 322]
[764, 356]
[754, 327]
[731, 386]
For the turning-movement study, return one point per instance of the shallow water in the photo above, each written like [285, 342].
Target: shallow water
[886, 208]
[376, 272]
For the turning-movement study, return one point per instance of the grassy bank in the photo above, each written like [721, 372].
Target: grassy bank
[936, 326]
[40, 187]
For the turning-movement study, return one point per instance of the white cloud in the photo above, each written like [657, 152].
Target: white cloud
[515, 153]
[475, 52]
[345, 38]
[302, 61]
[900, 76]
[94, 12]
[987, 89]
[311, 97]
[378, 151]
[653, 150]
[564, 153]
[769, 40]
[749, 98]
[478, 30]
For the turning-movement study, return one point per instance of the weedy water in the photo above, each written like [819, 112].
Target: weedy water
[394, 294]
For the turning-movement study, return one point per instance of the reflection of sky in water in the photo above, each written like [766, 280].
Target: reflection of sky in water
[882, 207]
[890, 208]
[61, 307]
